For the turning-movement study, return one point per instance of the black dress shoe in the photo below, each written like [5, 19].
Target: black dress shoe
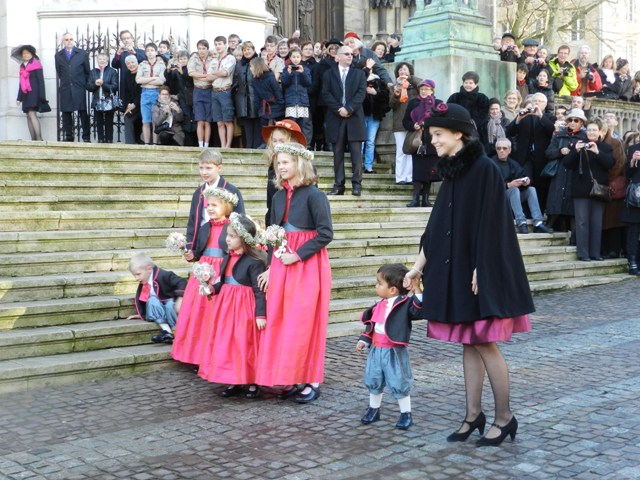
[168, 338]
[405, 421]
[509, 429]
[285, 395]
[523, 229]
[584, 259]
[163, 337]
[371, 415]
[356, 191]
[369, 171]
[478, 423]
[542, 228]
[336, 191]
[231, 391]
[251, 394]
[309, 397]
[598, 258]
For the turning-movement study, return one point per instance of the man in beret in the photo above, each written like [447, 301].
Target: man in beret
[530, 53]
[509, 51]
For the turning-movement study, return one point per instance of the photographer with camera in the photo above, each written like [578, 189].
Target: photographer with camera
[559, 205]
[589, 161]
[589, 81]
[563, 69]
[296, 79]
[530, 55]
[126, 48]
[509, 51]
[167, 119]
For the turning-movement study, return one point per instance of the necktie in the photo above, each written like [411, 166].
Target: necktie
[344, 86]
[146, 291]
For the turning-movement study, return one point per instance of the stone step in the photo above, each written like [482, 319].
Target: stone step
[12, 221]
[78, 337]
[574, 269]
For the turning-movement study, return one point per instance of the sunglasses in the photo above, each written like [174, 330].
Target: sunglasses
[573, 120]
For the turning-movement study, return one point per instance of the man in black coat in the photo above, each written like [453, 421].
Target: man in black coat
[72, 68]
[344, 88]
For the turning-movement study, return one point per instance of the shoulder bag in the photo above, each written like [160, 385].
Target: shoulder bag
[633, 195]
[550, 170]
[412, 142]
[598, 191]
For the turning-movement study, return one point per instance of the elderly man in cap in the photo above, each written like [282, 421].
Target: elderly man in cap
[509, 51]
[530, 54]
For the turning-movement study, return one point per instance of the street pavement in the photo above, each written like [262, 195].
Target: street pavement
[575, 389]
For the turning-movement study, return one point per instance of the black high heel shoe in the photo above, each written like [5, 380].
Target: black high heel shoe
[509, 429]
[478, 423]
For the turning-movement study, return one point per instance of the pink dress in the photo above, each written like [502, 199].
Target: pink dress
[481, 331]
[292, 347]
[187, 344]
[230, 346]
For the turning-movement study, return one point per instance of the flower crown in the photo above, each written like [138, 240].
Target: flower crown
[221, 193]
[234, 222]
[293, 149]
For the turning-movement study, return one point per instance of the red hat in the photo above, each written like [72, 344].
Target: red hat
[289, 125]
[351, 34]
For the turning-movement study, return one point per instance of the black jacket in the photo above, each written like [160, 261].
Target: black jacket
[243, 95]
[471, 227]
[398, 324]
[109, 85]
[73, 74]
[478, 106]
[376, 105]
[580, 162]
[245, 272]
[166, 284]
[309, 210]
[356, 90]
[631, 214]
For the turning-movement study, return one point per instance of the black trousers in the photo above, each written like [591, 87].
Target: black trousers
[67, 126]
[355, 149]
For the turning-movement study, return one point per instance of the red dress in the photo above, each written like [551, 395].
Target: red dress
[293, 343]
[187, 344]
[230, 347]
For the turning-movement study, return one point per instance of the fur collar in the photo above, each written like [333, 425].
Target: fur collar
[457, 165]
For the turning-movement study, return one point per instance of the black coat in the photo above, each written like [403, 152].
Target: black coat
[478, 106]
[533, 135]
[376, 105]
[631, 214]
[118, 62]
[243, 95]
[356, 90]
[109, 85]
[559, 199]
[471, 227]
[398, 324]
[423, 165]
[579, 163]
[73, 75]
[167, 286]
[245, 272]
[268, 98]
[620, 89]
[322, 67]
[33, 99]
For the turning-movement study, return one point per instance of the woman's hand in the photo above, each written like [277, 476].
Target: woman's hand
[593, 147]
[370, 63]
[99, 82]
[263, 280]
[409, 278]
[416, 126]
[635, 158]
[474, 282]
[261, 323]
[289, 258]
[188, 256]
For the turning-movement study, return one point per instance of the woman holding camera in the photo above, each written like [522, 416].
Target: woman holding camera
[589, 161]
[167, 119]
[631, 214]
[425, 159]
[559, 206]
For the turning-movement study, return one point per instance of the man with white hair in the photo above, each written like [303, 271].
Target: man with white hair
[519, 189]
[589, 81]
[532, 130]
[352, 40]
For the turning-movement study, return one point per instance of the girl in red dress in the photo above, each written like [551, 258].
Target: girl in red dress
[208, 247]
[299, 281]
[237, 313]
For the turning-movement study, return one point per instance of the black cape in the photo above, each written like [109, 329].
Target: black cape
[471, 226]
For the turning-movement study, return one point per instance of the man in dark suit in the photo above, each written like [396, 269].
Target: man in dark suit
[72, 68]
[344, 88]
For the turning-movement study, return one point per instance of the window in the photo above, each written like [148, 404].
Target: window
[577, 29]
[631, 10]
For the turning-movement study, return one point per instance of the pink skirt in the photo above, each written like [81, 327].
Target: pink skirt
[489, 330]
[187, 345]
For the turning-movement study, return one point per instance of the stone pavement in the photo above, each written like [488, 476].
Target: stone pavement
[575, 389]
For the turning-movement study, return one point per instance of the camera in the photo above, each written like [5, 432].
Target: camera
[510, 47]
[536, 60]
[590, 145]
[299, 68]
[524, 111]
[590, 76]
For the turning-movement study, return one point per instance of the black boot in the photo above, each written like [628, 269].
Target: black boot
[425, 201]
[415, 202]
[633, 266]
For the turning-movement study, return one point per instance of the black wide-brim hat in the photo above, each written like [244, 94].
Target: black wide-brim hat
[452, 117]
[16, 53]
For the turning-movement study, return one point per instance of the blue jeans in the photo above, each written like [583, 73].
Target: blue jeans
[368, 148]
[517, 197]
[159, 312]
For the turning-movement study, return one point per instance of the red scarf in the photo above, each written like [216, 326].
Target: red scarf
[25, 84]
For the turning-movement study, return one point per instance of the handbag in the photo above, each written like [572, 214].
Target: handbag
[618, 187]
[550, 170]
[164, 127]
[106, 103]
[598, 191]
[633, 195]
[44, 106]
[412, 142]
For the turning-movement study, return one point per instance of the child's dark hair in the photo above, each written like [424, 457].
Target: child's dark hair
[471, 76]
[393, 274]
[220, 38]
[522, 68]
[151, 44]
[165, 43]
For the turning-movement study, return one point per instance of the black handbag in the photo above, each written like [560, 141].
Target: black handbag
[598, 191]
[164, 127]
[633, 195]
[550, 170]
[44, 106]
[106, 103]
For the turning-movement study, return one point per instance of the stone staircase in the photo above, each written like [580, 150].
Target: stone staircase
[72, 215]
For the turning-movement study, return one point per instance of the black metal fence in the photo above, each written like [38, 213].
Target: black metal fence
[105, 41]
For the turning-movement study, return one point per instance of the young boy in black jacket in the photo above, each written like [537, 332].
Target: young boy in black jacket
[159, 295]
[388, 328]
